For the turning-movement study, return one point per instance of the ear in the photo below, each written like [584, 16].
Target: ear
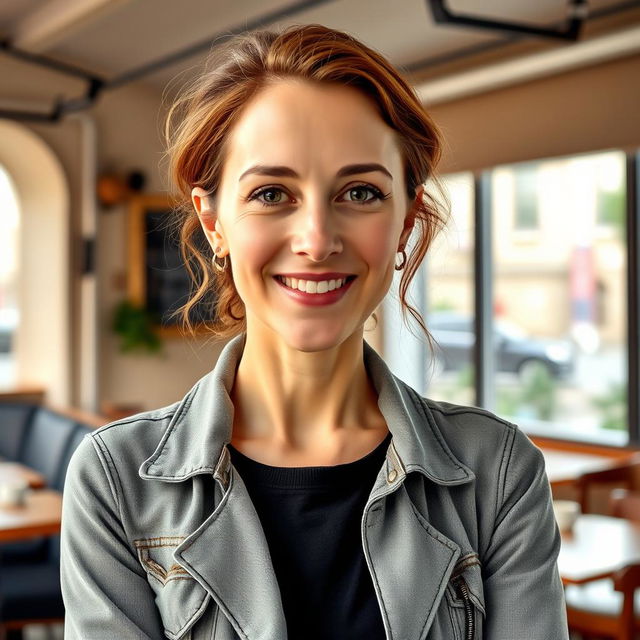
[410, 218]
[203, 203]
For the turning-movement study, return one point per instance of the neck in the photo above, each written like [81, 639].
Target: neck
[302, 401]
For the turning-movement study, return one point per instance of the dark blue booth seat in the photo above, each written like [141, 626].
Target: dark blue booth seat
[44, 440]
[14, 419]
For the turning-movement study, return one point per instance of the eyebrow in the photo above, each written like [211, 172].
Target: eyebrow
[287, 172]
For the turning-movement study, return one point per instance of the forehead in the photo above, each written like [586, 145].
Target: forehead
[296, 122]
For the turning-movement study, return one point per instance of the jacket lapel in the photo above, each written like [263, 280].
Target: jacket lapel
[229, 556]
[410, 560]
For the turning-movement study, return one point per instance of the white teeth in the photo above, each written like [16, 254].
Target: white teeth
[311, 286]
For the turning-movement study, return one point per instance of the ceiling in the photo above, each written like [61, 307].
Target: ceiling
[112, 37]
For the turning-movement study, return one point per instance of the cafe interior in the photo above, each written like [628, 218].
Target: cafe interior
[531, 292]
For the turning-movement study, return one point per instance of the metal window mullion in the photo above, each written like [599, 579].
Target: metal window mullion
[483, 293]
[633, 296]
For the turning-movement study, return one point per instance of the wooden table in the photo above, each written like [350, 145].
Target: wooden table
[16, 472]
[597, 547]
[40, 516]
[564, 467]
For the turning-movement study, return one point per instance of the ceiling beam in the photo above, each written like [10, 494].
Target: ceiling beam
[56, 20]
[546, 63]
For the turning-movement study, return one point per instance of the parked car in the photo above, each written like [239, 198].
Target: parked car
[515, 351]
[8, 325]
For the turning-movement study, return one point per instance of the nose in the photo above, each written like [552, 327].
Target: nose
[316, 234]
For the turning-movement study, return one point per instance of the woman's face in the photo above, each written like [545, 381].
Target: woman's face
[311, 211]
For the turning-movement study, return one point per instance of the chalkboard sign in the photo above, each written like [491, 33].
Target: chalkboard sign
[157, 277]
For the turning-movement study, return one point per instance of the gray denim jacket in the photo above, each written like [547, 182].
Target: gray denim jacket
[160, 538]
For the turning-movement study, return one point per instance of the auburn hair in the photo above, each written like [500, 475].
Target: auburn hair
[201, 118]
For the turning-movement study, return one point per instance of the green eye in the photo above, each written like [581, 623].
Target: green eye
[272, 196]
[268, 196]
[359, 194]
[363, 194]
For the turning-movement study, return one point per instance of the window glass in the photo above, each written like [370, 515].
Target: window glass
[559, 297]
[9, 220]
[450, 301]
[525, 202]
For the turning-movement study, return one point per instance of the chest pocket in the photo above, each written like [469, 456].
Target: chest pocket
[465, 596]
[179, 598]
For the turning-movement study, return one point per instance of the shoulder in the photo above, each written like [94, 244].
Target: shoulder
[481, 428]
[465, 417]
[484, 441]
[128, 440]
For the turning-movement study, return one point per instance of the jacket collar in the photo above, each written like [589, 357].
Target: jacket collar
[194, 441]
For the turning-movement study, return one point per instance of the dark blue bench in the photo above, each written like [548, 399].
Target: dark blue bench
[43, 439]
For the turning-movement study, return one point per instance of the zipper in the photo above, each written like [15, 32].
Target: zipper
[463, 592]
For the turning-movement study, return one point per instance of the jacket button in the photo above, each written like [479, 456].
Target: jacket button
[393, 474]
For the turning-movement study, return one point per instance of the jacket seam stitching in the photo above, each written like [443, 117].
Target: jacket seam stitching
[189, 621]
[112, 483]
[244, 635]
[194, 570]
[453, 623]
[502, 475]
[472, 410]
[167, 541]
[444, 542]
[102, 454]
[117, 423]
[420, 518]
[175, 418]
[382, 603]
[505, 464]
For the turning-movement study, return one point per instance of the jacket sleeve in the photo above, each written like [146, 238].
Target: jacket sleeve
[104, 587]
[524, 596]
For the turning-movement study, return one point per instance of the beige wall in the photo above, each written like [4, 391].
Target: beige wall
[128, 128]
[588, 109]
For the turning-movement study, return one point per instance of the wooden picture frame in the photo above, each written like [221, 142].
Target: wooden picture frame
[157, 278]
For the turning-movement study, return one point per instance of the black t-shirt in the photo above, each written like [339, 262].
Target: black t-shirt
[311, 518]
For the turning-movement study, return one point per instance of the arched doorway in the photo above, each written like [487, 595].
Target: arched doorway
[42, 340]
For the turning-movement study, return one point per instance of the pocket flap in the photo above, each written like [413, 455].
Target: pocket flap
[180, 599]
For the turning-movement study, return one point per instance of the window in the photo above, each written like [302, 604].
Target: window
[558, 369]
[525, 189]
[9, 221]
[449, 296]
[555, 355]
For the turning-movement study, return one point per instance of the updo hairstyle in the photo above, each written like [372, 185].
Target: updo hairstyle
[200, 120]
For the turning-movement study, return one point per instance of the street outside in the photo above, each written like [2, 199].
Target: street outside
[597, 375]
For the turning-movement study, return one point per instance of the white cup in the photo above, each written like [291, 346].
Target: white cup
[566, 512]
[13, 494]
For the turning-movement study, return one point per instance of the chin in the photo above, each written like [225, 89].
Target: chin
[310, 340]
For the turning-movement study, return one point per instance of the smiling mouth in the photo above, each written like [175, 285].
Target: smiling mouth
[311, 286]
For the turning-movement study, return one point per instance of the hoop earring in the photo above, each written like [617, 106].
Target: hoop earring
[216, 264]
[400, 267]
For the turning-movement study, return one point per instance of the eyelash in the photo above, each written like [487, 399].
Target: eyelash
[378, 195]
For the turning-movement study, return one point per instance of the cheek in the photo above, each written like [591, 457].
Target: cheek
[251, 247]
[377, 244]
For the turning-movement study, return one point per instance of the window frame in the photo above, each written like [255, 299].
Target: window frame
[483, 356]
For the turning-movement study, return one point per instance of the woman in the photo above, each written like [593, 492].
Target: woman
[300, 490]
